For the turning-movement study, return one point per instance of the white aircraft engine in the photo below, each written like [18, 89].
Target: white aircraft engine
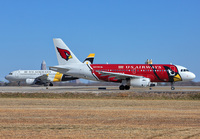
[141, 82]
[30, 81]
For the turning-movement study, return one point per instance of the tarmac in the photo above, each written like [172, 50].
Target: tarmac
[96, 89]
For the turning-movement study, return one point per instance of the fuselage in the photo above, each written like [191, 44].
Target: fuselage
[155, 72]
[23, 75]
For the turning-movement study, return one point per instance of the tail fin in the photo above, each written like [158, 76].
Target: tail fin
[89, 59]
[64, 54]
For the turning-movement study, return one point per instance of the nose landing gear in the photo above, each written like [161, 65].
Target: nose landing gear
[172, 86]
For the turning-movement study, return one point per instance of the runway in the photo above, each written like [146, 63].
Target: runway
[95, 89]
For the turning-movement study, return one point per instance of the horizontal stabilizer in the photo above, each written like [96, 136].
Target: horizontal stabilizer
[58, 69]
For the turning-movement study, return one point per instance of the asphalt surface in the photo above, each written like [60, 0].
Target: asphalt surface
[94, 89]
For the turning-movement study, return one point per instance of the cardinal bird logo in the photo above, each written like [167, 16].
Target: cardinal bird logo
[65, 54]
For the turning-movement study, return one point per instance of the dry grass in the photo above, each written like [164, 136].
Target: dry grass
[109, 95]
[98, 118]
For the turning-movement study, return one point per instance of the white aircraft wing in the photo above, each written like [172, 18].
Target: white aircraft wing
[118, 75]
[43, 78]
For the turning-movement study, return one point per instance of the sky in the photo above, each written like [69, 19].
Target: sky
[117, 31]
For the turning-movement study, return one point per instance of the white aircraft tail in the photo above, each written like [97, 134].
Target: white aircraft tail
[90, 58]
[64, 54]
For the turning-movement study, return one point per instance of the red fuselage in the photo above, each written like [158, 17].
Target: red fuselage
[155, 72]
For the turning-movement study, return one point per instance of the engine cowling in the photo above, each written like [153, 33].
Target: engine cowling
[141, 82]
[30, 81]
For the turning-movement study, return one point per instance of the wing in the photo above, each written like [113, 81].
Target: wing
[43, 78]
[118, 75]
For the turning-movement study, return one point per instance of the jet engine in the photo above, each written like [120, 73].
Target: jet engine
[141, 82]
[30, 81]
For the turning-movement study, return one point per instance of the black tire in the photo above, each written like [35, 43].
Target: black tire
[121, 87]
[127, 87]
[172, 88]
[50, 84]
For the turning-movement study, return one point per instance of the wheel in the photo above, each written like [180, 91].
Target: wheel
[172, 88]
[50, 84]
[127, 87]
[121, 87]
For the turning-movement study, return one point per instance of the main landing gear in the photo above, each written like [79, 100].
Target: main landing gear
[124, 87]
[46, 84]
[50, 84]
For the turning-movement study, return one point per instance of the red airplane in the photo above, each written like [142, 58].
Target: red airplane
[127, 74]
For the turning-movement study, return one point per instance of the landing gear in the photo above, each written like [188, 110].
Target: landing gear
[127, 87]
[50, 84]
[122, 87]
[46, 85]
[172, 86]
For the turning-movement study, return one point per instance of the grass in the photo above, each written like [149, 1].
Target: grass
[98, 118]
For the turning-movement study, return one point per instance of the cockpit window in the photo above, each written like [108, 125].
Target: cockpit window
[10, 73]
[184, 70]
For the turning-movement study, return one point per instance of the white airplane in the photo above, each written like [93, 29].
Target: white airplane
[43, 77]
[126, 74]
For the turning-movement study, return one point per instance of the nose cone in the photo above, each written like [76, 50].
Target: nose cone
[189, 76]
[8, 77]
[192, 76]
